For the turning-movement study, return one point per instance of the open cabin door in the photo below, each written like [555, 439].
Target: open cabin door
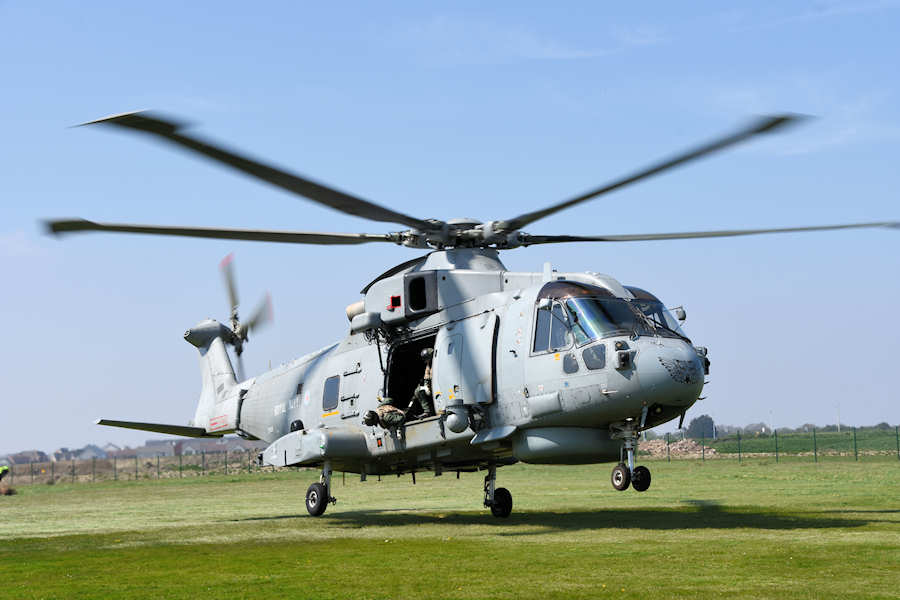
[464, 362]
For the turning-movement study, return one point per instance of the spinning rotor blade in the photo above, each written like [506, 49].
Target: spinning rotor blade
[529, 240]
[227, 266]
[346, 203]
[254, 235]
[762, 125]
[262, 315]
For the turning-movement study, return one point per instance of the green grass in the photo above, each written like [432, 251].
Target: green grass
[756, 530]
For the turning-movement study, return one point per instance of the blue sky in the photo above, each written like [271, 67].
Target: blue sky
[445, 110]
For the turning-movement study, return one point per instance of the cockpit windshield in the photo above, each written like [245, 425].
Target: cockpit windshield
[594, 318]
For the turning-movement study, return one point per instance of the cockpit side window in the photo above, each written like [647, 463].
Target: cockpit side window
[542, 331]
[551, 330]
[558, 329]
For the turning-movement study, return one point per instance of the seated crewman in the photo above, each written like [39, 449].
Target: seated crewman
[386, 415]
[422, 394]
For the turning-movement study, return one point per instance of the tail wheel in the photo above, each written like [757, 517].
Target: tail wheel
[640, 479]
[316, 499]
[502, 505]
[621, 478]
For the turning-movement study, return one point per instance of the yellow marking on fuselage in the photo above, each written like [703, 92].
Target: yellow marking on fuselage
[330, 414]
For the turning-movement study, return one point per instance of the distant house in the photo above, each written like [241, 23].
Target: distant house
[90, 452]
[111, 448]
[28, 456]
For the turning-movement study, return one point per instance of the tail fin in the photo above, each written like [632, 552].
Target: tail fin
[217, 408]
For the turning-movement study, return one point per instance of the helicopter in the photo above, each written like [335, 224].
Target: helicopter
[477, 366]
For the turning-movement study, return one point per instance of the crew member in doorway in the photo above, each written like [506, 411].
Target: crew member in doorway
[422, 394]
[386, 415]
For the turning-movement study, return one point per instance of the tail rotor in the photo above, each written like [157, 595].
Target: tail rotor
[261, 316]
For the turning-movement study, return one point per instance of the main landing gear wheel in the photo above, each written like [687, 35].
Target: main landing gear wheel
[502, 504]
[317, 499]
[640, 479]
[621, 477]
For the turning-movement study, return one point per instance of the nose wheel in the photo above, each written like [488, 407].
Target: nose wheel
[625, 473]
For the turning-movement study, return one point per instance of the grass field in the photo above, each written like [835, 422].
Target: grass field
[712, 529]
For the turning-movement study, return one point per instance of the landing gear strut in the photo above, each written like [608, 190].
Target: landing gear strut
[625, 473]
[318, 495]
[499, 500]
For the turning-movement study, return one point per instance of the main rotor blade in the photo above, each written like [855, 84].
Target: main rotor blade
[254, 235]
[761, 125]
[227, 266]
[172, 131]
[553, 239]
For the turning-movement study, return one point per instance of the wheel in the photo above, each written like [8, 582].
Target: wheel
[620, 477]
[640, 479]
[316, 499]
[502, 505]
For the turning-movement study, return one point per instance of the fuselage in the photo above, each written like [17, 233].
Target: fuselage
[540, 367]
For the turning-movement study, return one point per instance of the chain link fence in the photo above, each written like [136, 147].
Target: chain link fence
[858, 444]
[133, 468]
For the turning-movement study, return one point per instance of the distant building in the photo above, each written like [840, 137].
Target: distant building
[111, 448]
[90, 452]
[28, 456]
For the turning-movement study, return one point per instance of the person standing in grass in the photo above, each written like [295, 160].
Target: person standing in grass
[3, 471]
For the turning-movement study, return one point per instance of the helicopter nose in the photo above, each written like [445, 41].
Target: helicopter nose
[671, 373]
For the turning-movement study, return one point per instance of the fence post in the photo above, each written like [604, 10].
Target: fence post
[53, 471]
[815, 447]
[32, 470]
[248, 461]
[115, 470]
[897, 437]
[702, 445]
[157, 466]
[135, 467]
[775, 432]
[93, 469]
[73, 470]
[203, 462]
[226, 462]
[668, 458]
[180, 474]
[740, 458]
[855, 453]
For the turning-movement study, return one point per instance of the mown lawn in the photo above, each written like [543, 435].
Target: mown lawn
[756, 530]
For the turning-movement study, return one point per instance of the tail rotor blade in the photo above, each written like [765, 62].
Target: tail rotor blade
[227, 266]
[262, 315]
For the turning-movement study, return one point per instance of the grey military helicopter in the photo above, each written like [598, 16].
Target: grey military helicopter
[549, 367]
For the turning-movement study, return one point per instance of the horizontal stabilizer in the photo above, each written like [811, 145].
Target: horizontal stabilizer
[160, 428]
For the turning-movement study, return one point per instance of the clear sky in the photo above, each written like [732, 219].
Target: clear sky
[445, 110]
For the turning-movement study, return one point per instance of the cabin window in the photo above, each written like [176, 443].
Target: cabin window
[551, 331]
[300, 389]
[331, 394]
